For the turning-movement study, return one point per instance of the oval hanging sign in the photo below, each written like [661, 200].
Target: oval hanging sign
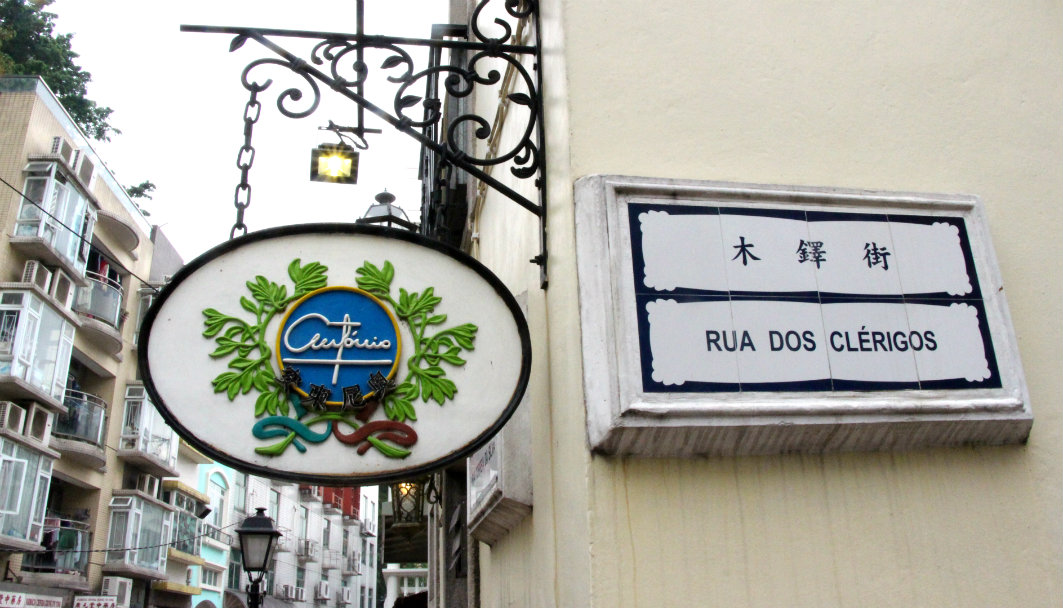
[335, 354]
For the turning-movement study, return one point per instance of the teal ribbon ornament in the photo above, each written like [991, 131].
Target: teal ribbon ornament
[282, 426]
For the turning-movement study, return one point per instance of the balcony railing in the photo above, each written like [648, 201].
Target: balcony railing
[84, 420]
[67, 545]
[101, 299]
[216, 534]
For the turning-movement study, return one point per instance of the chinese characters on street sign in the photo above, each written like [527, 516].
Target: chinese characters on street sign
[782, 299]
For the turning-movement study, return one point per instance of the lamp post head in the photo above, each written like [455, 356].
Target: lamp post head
[258, 538]
[385, 211]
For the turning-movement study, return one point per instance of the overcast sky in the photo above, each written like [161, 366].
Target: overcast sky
[178, 100]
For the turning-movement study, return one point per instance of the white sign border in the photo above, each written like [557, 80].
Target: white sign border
[623, 419]
[336, 229]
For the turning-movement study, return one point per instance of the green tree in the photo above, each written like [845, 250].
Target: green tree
[29, 46]
[139, 191]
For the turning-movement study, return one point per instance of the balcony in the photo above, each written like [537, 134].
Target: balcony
[307, 550]
[146, 439]
[79, 433]
[122, 230]
[332, 504]
[59, 233]
[217, 535]
[35, 344]
[310, 493]
[65, 561]
[139, 535]
[352, 565]
[99, 304]
[331, 559]
[151, 451]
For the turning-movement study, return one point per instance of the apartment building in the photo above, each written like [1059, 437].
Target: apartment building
[328, 554]
[83, 449]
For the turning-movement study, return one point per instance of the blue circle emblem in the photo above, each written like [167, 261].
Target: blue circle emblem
[337, 338]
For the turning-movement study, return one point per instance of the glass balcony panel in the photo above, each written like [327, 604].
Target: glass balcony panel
[186, 533]
[101, 299]
[139, 533]
[84, 420]
[147, 432]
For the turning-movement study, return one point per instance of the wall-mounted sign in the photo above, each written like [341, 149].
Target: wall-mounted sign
[757, 319]
[95, 601]
[14, 599]
[335, 353]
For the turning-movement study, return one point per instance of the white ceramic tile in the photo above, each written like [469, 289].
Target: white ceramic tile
[863, 342]
[788, 341]
[679, 343]
[681, 251]
[948, 344]
[929, 258]
[769, 261]
[860, 258]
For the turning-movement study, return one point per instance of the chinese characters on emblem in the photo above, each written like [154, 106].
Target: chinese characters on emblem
[318, 395]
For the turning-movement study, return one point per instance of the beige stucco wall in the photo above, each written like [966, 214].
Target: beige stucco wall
[934, 97]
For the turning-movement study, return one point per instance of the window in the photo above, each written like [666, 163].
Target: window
[210, 578]
[300, 521]
[300, 577]
[25, 475]
[12, 474]
[56, 204]
[144, 430]
[239, 491]
[139, 532]
[274, 503]
[216, 490]
[326, 531]
[186, 530]
[236, 567]
[35, 342]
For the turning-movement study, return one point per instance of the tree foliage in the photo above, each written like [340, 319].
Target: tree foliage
[29, 47]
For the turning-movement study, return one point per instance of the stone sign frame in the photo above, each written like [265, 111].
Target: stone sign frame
[625, 419]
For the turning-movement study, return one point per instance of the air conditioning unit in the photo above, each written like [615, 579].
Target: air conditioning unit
[86, 170]
[300, 594]
[286, 592]
[119, 587]
[63, 149]
[12, 417]
[39, 423]
[346, 597]
[307, 549]
[35, 272]
[148, 484]
[321, 591]
[63, 289]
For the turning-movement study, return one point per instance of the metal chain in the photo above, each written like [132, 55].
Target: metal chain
[244, 159]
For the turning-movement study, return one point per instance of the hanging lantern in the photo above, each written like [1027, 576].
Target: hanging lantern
[407, 502]
[334, 163]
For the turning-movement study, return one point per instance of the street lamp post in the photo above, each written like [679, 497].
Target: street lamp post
[257, 542]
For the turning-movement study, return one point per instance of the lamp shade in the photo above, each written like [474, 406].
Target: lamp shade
[408, 502]
[258, 538]
[334, 163]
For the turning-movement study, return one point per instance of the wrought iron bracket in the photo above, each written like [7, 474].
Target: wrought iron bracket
[337, 61]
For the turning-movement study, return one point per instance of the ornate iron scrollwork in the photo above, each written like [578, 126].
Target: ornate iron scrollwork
[338, 62]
